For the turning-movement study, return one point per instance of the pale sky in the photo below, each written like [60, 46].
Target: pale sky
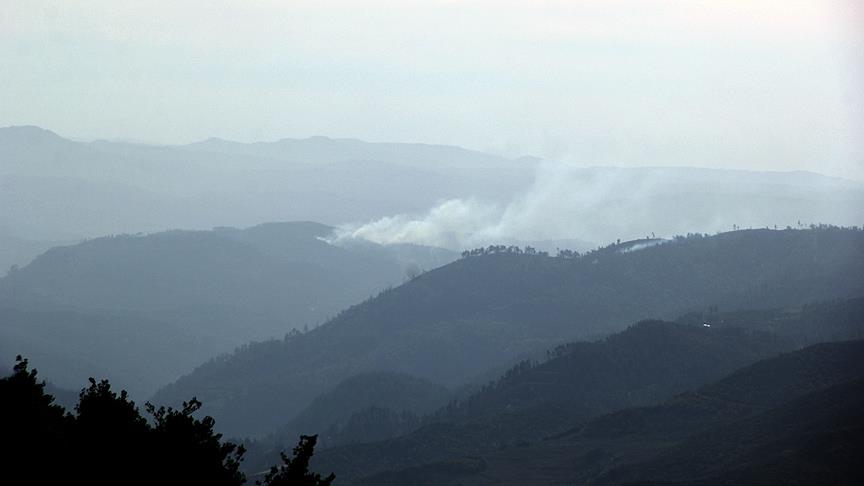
[729, 83]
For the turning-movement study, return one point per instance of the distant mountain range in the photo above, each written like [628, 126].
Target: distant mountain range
[57, 190]
[52, 188]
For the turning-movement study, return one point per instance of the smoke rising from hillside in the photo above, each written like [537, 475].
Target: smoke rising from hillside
[604, 204]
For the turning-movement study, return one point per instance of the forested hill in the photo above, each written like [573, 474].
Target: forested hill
[278, 269]
[335, 414]
[483, 312]
[790, 419]
[144, 309]
[275, 266]
[644, 364]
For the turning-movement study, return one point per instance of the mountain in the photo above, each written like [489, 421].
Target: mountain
[277, 269]
[793, 433]
[453, 324]
[80, 190]
[815, 322]
[746, 392]
[71, 346]
[364, 407]
[646, 363]
[55, 189]
[29, 150]
[17, 252]
[338, 150]
[762, 421]
[810, 440]
[144, 308]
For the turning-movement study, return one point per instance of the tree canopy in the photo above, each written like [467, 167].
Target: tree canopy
[108, 441]
[295, 470]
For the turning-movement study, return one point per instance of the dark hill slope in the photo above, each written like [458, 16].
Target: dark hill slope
[812, 439]
[764, 416]
[484, 312]
[835, 320]
[644, 364]
[756, 388]
[533, 400]
[396, 391]
[380, 404]
[649, 362]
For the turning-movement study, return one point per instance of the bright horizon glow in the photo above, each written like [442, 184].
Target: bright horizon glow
[763, 85]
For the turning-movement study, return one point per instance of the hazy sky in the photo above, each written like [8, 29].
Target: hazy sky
[726, 83]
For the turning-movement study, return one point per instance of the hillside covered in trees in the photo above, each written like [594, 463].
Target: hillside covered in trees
[362, 408]
[793, 419]
[646, 364]
[147, 308]
[454, 324]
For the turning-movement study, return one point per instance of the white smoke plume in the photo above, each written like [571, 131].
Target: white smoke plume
[605, 204]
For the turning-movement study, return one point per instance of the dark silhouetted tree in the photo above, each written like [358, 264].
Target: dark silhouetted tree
[33, 430]
[107, 441]
[191, 450]
[295, 470]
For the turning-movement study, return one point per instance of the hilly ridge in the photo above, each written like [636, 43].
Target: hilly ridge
[363, 407]
[647, 363]
[738, 427]
[182, 297]
[78, 190]
[482, 312]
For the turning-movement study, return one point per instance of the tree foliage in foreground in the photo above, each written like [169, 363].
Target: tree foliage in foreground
[108, 441]
[295, 471]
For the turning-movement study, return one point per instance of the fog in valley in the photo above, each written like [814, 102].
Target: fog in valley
[432, 243]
